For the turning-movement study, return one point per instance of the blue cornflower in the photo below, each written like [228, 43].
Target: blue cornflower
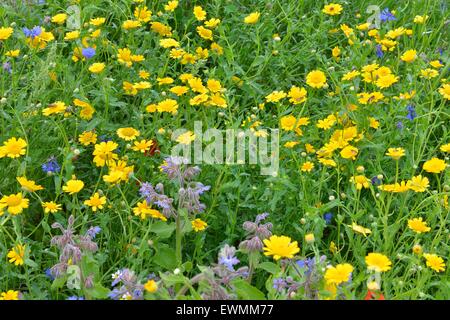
[411, 113]
[386, 15]
[33, 33]
[399, 125]
[48, 273]
[88, 52]
[327, 217]
[51, 166]
[375, 181]
[379, 52]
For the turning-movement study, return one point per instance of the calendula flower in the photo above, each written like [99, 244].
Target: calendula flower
[252, 18]
[73, 186]
[378, 262]
[434, 262]
[97, 67]
[198, 225]
[435, 165]
[13, 203]
[418, 225]
[16, 255]
[95, 202]
[316, 79]
[128, 134]
[280, 247]
[339, 274]
[13, 148]
[395, 153]
[332, 9]
[29, 185]
[51, 207]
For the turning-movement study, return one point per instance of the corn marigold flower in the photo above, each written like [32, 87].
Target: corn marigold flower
[205, 33]
[59, 18]
[186, 138]
[87, 137]
[418, 183]
[435, 165]
[445, 91]
[13, 148]
[349, 152]
[360, 181]
[418, 225]
[104, 153]
[409, 56]
[54, 108]
[10, 295]
[13, 203]
[434, 262]
[96, 202]
[252, 18]
[73, 186]
[316, 79]
[97, 67]
[51, 207]
[168, 105]
[332, 9]
[198, 225]
[378, 262]
[128, 133]
[339, 274]
[199, 13]
[151, 285]
[29, 185]
[297, 95]
[395, 153]
[171, 5]
[5, 33]
[307, 166]
[17, 254]
[280, 247]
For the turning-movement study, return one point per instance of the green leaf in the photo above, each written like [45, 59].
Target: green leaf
[270, 267]
[165, 257]
[31, 263]
[163, 229]
[58, 283]
[246, 291]
[98, 291]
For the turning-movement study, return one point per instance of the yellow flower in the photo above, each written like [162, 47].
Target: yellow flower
[73, 186]
[151, 285]
[186, 138]
[104, 153]
[198, 225]
[386, 81]
[179, 90]
[5, 33]
[349, 152]
[168, 105]
[360, 181]
[9, 295]
[13, 148]
[12, 53]
[87, 137]
[307, 166]
[418, 183]
[291, 144]
[339, 274]
[378, 262]
[142, 14]
[171, 5]
[350, 75]
[360, 229]
[72, 35]
[436, 64]
[169, 43]
[418, 225]
[395, 153]
[417, 249]
[199, 13]
[29, 185]
[131, 24]
[143, 211]
[309, 238]
[435, 165]
[95, 202]
[59, 18]
[214, 85]
[316, 79]
[275, 96]
[97, 67]
[409, 56]
[332, 9]
[128, 134]
[434, 262]
[97, 21]
[252, 18]
[212, 23]
[16, 255]
[51, 207]
[420, 19]
[205, 33]
[280, 247]
[445, 148]
[142, 145]
[14, 203]
[297, 95]
[445, 91]
[54, 108]
[428, 73]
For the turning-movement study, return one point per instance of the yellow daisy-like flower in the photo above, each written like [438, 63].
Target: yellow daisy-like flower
[96, 202]
[87, 137]
[434, 262]
[104, 153]
[280, 247]
[142, 145]
[198, 225]
[5, 33]
[59, 18]
[16, 255]
[418, 225]
[409, 56]
[395, 153]
[199, 13]
[445, 148]
[151, 285]
[445, 91]
[332, 9]
[73, 186]
[349, 152]
[13, 203]
[418, 183]
[252, 18]
[339, 274]
[128, 134]
[307, 166]
[9, 295]
[13, 148]
[97, 67]
[186, 138]
[29, 185]
[360, 181]
[378, 262]
[51, 206]
[435, 165]
[171, 5]
[316, 79]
